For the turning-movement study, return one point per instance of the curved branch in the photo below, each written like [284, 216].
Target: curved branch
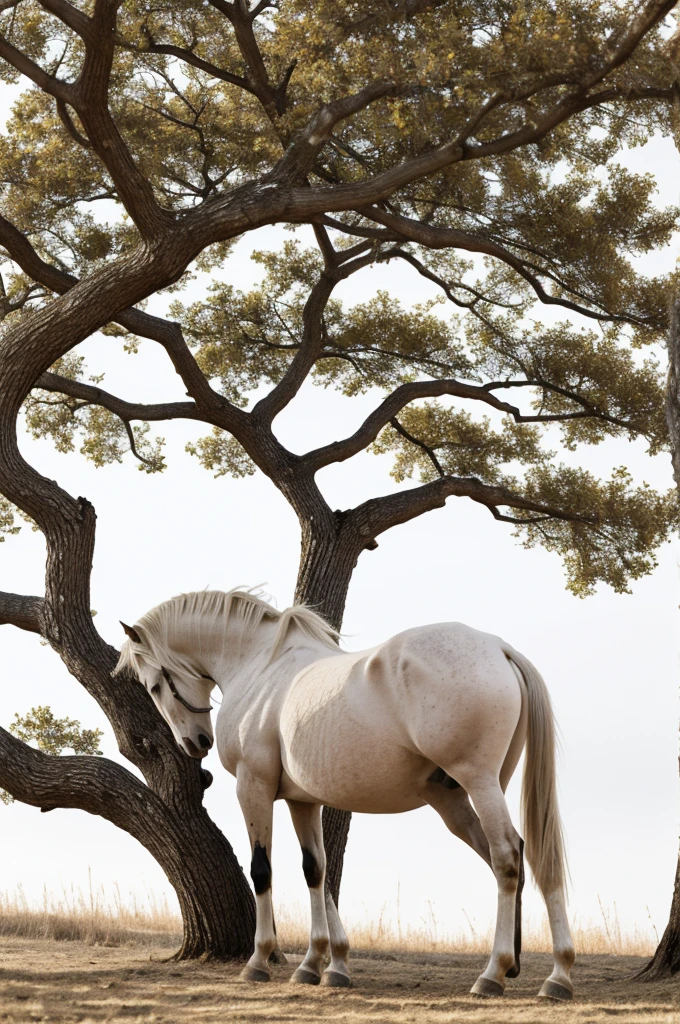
[92, 395]
[305, 203]
[339, 451]
[444, 238]
[377, 515]
[189, 57]
[21, 611]
[69, 15]
[312, 340]
[167, 333]
[48, 83]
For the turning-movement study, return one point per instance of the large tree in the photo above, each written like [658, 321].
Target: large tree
[151, 137]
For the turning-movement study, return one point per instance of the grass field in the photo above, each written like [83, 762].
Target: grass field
[94, 918]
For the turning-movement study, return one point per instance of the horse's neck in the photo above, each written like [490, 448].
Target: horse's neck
[246, 653]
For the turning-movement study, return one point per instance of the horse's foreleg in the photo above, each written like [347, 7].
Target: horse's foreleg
[506, 856]
[256, 799]
[307, 822]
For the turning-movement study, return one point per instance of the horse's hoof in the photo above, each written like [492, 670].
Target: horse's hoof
[304, 977]
[254, 974]
[334, 979]
[277, 957]
[553, 990]
[513, 972]
[487, 988]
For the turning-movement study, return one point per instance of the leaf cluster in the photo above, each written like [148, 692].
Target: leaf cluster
[53, 736]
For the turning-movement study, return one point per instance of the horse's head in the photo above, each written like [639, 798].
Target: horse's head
[182, 698]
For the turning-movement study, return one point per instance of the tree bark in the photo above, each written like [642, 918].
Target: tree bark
[666, 959]
[218, 910]
[330, 548]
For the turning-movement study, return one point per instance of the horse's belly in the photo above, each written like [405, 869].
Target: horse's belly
[342, 760]
[368, 790]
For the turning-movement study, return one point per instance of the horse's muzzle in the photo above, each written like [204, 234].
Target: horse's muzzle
[193, 750]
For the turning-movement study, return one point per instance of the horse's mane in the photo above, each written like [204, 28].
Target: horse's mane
[212, 608]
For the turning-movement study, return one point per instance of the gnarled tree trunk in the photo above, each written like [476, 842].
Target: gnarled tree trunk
[216, 903]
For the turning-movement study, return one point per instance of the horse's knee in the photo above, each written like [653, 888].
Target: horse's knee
[260, 870]
[312, 868]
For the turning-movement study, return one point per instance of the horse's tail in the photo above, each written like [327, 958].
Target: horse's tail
[544, 843]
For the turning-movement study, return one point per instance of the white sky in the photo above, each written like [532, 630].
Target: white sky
[610, 661]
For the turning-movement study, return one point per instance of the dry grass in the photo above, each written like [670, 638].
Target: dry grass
[101, 920]
[377, 935]
[92, 918]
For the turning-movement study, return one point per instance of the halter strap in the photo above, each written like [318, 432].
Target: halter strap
[178, 696]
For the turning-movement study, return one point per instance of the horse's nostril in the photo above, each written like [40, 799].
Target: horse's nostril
[205, 741]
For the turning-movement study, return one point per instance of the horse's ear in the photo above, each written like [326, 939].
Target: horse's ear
[132, 633]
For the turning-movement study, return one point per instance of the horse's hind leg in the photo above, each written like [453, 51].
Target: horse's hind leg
[325, 926]
[506, 857]
[559, 985]
[455, 810]
[256, 799]
[453, 806]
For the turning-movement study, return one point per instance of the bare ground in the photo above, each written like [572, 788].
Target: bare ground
[64, 982]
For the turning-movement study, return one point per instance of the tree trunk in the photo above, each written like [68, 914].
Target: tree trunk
[217, 906]
[329, 553]
[666, 959]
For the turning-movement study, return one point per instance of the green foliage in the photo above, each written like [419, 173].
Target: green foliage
[105, 437]
[565, 207]
[623, 528]
[7, 513]
[223, 454]
[53, 736]
[455, 444]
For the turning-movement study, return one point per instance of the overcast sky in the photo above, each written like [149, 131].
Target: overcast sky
[610, 661]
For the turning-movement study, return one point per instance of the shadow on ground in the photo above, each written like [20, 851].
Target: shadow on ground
[65, 982]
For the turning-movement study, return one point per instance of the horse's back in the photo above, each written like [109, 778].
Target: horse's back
[381, 717]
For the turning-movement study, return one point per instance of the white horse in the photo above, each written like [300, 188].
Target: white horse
[437, 715]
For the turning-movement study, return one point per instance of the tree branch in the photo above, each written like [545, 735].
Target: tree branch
[93, 784]
[22, 612]
[189, 57]
[304, 204]
[339, 451]
[444, 238]
[48, 83]
[302, 154]
[69, 15]
[377, 515]
[91, 101]
[166, 333]
[312, 341]
[92, 395]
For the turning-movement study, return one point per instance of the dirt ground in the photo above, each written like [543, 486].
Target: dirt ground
[63, 982]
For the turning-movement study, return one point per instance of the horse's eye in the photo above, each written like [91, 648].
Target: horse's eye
[156, 689]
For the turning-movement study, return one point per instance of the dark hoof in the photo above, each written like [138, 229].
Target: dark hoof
[333, 979]
[551, 990]
[277, 957]
[303, 977]
[254, 974]
[486, 988]
[513, 972]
